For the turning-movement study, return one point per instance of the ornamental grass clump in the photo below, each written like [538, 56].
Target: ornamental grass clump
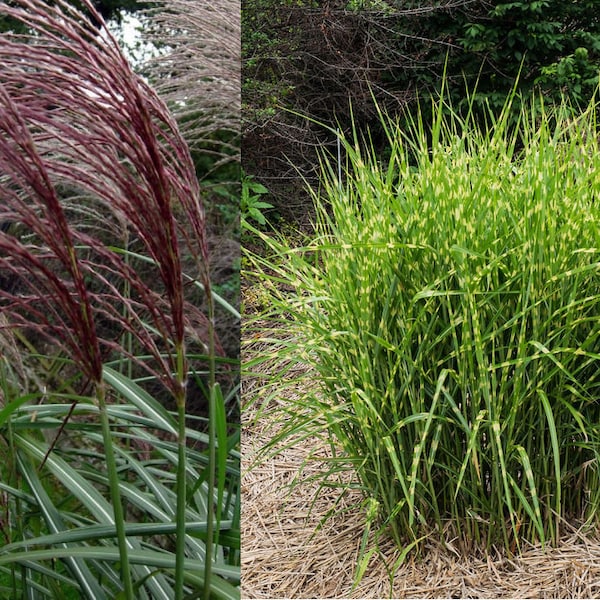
[447, 308]
[99, 205]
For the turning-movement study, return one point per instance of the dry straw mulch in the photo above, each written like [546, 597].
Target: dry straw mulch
[283, 557]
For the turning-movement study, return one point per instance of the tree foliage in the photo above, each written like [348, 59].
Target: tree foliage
[555, 45]
[111, 9]
[319, 58]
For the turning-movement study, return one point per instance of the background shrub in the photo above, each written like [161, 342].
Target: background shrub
[327, 60]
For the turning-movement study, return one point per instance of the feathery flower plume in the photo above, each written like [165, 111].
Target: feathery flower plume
[91, 164]
[81, 134]
[199, 76]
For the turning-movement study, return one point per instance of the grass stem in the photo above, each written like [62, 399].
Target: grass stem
[181, 476]
[113, 478]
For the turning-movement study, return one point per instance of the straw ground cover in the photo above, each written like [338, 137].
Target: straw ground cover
[448, 309]
[105, 491]
[285, 554]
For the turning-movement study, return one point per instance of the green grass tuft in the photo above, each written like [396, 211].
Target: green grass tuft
[448, 309]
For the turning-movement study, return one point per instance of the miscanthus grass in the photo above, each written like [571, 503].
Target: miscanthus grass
[100, 206]
[448, 309]
[199, 75]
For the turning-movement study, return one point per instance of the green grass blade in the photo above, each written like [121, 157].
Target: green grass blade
[79, 570]
[555, 460]
[140, 398]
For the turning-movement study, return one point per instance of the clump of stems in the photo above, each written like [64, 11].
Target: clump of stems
[448, 309]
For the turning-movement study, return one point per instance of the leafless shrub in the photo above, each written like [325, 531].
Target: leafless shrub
[329, 63]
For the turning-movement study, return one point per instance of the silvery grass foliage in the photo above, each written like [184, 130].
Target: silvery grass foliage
[447, 308]
[92, 165]
[198, 72]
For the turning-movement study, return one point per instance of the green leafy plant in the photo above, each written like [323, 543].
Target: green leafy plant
[575, 75]
[251, 205]
[546, 44]
[446, 314]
